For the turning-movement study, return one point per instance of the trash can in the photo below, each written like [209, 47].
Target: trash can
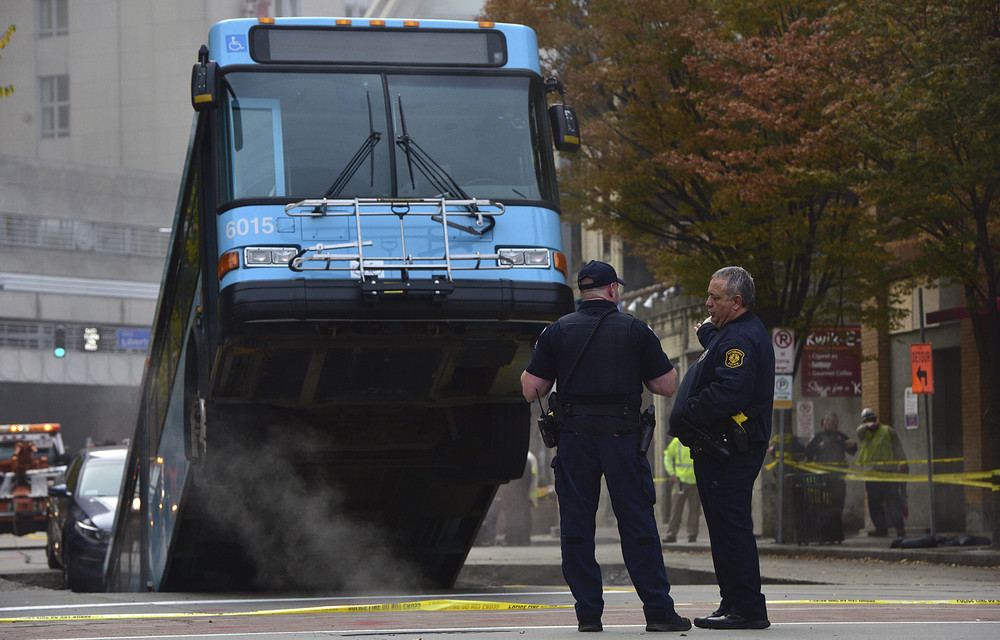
[818, 505]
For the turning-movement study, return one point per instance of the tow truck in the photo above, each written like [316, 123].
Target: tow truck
[31, 456]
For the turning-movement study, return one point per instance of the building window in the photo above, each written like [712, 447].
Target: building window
[53, 18]
[53, 102]
[287, 8]
[355, 8]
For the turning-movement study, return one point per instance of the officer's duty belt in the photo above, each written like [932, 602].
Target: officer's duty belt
[620, 411]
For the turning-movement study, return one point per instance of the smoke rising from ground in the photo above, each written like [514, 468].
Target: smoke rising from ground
[292, 522]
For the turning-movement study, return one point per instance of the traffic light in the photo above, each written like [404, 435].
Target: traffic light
[59, 342]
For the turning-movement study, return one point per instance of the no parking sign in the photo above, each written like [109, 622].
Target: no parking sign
[806, 419]
[783, 341]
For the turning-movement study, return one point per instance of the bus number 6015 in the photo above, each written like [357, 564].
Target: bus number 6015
[246, 226]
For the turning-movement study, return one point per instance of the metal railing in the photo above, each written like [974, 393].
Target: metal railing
[472, 216]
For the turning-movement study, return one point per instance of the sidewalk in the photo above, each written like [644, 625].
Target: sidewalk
[691, 563]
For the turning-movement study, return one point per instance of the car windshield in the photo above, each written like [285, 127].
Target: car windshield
[308, 135]
[7, 451]
[101, 478]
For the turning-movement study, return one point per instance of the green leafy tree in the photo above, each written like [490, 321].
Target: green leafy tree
[707, 144]
[6, 90]
[925, 109]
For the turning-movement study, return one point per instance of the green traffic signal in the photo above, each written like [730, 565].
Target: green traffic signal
[59, 342]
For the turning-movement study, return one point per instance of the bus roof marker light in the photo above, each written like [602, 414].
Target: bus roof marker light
[343, 22]
[376, 23]
[265, 20]
[486, 24]
[411, 23]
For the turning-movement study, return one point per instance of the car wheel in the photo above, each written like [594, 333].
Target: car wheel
[70, 581]
[50, 556]
[65, 574]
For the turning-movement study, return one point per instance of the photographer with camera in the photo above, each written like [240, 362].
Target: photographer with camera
[723, 412]
[601, 359]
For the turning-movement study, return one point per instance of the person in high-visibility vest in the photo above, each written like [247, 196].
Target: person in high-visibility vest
[683, 493]
[886, 500]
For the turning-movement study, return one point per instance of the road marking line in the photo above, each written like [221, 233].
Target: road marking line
[451, 630]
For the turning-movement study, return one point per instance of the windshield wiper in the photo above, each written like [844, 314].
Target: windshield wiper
[364, 151]
[431, 170]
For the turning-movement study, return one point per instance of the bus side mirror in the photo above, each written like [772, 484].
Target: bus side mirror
[562, 119]
[565, 127]
[203, 84]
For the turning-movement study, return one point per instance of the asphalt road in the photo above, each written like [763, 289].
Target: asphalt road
[516, 592]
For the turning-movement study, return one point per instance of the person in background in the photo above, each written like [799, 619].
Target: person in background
[519, 499]
[513, 503]
[794, 451]
[601, 359]
[683, 493]
[879, 445]
[830, 445]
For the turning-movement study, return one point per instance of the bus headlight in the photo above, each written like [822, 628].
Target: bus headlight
[268, 256]
[538, 258]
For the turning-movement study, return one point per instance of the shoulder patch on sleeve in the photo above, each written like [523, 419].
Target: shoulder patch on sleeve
[734, 358]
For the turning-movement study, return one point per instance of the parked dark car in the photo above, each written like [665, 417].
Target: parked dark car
[81, 514]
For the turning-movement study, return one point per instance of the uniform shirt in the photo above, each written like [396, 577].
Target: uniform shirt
[734, 373]
[652, 361]
[829, 446]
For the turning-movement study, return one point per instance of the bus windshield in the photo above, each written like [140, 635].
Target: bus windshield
[310, 135]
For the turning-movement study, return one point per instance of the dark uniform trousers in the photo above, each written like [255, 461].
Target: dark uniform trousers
[580, 462]
[726, 490]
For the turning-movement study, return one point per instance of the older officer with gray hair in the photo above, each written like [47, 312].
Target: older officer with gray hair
[729, 391]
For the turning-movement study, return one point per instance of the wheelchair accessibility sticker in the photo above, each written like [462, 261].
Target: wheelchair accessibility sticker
[237, 43]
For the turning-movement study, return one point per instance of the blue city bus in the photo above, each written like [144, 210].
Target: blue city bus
[365, 247]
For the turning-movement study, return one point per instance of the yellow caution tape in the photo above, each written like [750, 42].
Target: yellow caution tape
[425, 605]
[981, 479]
[436, 605]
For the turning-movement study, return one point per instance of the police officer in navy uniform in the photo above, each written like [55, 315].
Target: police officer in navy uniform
[730, 386]
[599, 401]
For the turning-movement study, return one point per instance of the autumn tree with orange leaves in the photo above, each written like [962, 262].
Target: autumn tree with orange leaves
[703, 150]
[840, 151]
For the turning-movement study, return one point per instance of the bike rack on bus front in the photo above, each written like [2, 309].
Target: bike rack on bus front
[370, 270]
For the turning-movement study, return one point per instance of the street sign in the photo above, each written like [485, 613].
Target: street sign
[782, 392]
[922, 367]
[784, 350]
[910, 409]
[806, 427]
